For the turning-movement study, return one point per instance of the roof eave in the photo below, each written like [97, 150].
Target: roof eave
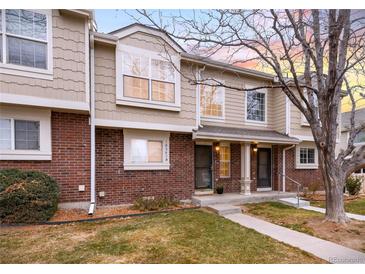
[240, 138]
[228, 67]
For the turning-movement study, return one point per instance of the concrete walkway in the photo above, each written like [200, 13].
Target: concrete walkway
[325, 250]
[323, 210]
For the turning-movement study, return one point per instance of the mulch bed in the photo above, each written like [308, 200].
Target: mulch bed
[66, 215]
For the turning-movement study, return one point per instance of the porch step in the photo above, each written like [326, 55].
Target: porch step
[225, 209]
[236, 198]
[294, 202]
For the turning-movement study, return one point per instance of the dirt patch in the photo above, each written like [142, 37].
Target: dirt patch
[81, 214]
[322, 197]
[351, 234]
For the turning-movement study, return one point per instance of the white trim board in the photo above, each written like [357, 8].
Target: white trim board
[303, 137]
[26, 100]
[143, 125]
[143, 29]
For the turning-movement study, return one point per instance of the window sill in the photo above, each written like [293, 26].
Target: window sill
[311, 166]
[146, 166]
[153, 105]
[212, 119]
[255, 123]
[25, 155]
[26, 71]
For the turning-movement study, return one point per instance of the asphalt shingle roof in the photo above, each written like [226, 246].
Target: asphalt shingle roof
[246, 134]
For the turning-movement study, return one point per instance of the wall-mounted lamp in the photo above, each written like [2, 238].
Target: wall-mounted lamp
[254, 147]
[217, 148]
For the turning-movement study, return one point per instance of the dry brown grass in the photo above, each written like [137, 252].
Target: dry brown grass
[192, 236]
[351, 235]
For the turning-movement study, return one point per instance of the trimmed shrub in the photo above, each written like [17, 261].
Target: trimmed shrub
[27, 196]
[150, 204]
[353, 185]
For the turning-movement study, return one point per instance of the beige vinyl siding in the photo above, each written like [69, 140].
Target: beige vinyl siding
[296, 123]
[105, 96]
[279, 109]
[147, 42]
[68, 65]
[235, 100]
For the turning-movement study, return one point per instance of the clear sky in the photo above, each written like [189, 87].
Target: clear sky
[109, 20]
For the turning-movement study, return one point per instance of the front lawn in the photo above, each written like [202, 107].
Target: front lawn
[351, 235]
[356, 206]
[191, 236]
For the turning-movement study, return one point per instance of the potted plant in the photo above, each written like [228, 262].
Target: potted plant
[219, 189]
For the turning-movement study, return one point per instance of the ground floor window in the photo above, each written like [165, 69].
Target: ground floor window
[306, 156]
[146, 150]
[25, 134]
[224, 160]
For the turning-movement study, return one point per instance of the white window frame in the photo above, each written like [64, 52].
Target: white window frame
[124, 100]
[147, 135]
[27, 114]
[25, 71]
[209, 118]
[298, 164]
[223, 144]
[254, 122]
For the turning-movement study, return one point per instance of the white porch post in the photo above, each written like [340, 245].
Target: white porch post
[246, 168]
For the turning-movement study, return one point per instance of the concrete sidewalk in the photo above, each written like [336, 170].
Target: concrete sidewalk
[325, 250]
[323, 210]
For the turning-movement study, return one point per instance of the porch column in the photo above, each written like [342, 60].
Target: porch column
[246, 169]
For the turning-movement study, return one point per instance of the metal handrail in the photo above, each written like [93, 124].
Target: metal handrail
[299, 185]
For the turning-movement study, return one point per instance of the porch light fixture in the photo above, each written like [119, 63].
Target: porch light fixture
[217, 148]
[254, 147]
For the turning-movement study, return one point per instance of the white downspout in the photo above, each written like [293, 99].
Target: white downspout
[92, 128]
[284, 168]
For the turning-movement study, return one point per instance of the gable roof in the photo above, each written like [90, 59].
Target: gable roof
[137, 27]
[359, 118]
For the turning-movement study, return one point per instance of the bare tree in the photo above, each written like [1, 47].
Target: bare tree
[317, 56]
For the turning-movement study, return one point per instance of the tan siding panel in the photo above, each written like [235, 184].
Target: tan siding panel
[68, 65]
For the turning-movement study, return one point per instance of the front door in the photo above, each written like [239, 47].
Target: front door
[264, 168]
[203, 167]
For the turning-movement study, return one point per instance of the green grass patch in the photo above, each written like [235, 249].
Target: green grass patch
[191, 236]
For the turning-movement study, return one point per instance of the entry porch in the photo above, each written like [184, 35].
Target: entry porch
[239, 160]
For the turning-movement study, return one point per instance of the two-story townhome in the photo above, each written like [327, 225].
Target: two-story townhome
[45, 96]
[114, 117]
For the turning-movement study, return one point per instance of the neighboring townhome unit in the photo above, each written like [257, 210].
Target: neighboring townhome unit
[113, 117]
[44, 97]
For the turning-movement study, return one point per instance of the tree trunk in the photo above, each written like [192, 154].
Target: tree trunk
[334, 181]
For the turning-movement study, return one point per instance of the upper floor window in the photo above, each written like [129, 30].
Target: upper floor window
[25, 40]
[212, 102]
[360, 137]
[145, 78]
[256, 106]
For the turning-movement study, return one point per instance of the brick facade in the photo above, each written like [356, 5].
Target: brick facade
[304, 176]
[121, 186]
[70, 164]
